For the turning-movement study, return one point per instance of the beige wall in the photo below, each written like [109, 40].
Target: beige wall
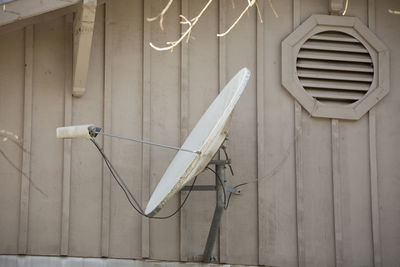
[285, 216]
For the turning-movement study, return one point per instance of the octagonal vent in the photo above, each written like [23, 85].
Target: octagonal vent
[334, 68]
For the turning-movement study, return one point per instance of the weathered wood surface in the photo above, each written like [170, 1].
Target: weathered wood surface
[27, 136]
[12, 115]
[66, 186]
[320, 193]
[46, 152]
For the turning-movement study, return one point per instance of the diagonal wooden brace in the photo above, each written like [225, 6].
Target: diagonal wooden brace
[83, 36]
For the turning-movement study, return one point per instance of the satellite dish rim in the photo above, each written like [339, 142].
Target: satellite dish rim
[207, 149]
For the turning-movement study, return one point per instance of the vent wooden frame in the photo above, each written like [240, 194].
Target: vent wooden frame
[352, 26]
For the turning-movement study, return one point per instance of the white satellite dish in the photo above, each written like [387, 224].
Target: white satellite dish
[206, 137]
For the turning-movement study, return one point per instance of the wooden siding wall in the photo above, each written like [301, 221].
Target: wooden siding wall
[321, 192]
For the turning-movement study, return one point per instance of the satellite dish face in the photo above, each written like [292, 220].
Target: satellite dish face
[206, 137]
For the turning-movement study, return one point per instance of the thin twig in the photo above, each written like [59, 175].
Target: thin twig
[10, 136]
[395, 12]
[273, 9]
[8, 133]
[23, 173]
[259, 12]
[192, 23]
[161, 15]
[186, 21]
[250, 4]
[345, 8]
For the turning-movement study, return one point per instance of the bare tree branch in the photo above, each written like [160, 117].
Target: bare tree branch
[191, 23]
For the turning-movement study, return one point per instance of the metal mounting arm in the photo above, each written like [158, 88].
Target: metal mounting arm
[219, 209]
[221, 189]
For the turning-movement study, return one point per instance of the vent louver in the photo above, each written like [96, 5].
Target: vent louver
[335, 68]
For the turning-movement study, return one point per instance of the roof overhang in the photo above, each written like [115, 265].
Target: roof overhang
[16, 10]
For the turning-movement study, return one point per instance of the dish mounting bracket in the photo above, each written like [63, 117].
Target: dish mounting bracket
[221, 189]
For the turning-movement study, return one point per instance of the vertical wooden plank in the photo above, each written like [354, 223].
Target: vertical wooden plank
[164, 119]
[376, 237]
[44, 235]
[261, 172]
[359, 10]
[337, 192]
[296, 13]
[184, 123]
[298, 161]
[222, 43]
[146, 125]
[277, 189]
[184, 111]
[223, 232]
[86, 163]
[371, 15]
[126, 120]
[299, 184]
[66, 187]
[357, 237]
[26, 159]
[241, 216]
[310, 7]
[318, 220]
[388, 136]
[105, 217]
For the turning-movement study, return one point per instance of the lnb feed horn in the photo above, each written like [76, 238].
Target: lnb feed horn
[86, 131]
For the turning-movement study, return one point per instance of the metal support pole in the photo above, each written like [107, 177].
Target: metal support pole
[219, 209]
